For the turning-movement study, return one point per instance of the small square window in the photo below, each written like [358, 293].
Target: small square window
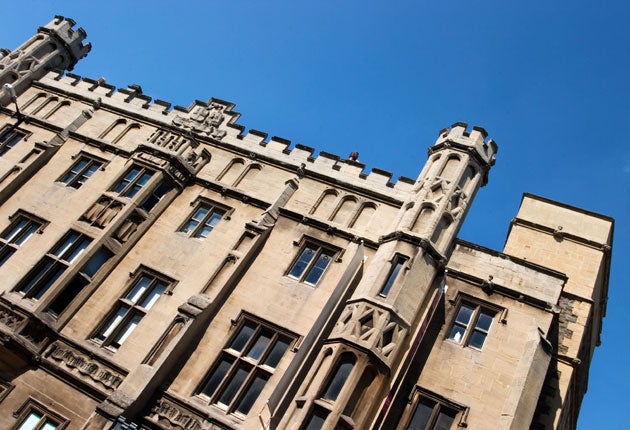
[9, 137]
[471, 324]
[245, 365]
[34, 415]
[80, 171]
[131, 308]
[433, 412]
[311, 263]
[204, 218]
[22, 227]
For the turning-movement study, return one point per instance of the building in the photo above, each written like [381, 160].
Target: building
[161, 268]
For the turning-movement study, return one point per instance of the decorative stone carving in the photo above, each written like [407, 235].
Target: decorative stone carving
[88, 369]
[203, 120]
[10, 318]
[172, 416]
[101, 213]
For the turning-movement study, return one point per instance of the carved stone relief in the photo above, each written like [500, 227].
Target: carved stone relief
[177, 417]
[203, 120]
[10, 318]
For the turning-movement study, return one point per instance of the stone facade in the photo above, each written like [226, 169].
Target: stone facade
[162, 268]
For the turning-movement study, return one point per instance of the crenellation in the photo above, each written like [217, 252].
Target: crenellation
[380, 177]
[278, 144]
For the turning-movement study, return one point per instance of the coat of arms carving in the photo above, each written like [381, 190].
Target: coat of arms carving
[203, 120]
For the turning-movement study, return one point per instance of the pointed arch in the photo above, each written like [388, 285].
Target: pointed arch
[32, 100]
[450, 167]
[56, 108]
[117, 123]
[466, 182]
[125, 131]
[232, 171]
[249, 173]
[440, 235]
[423, 220]
[363, 216]
[344, 210]
[324, 205]
[45, 103]
[434, 165]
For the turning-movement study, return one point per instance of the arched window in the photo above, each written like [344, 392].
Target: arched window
[339, 376]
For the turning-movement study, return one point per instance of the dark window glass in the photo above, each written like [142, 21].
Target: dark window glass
[398, 263]
[432, 415]
[133, 182]
[311, 264]
[9, 137]
[203, 220]
[80, 172]
[339, 377]
[16, 234]
[316, 420]
[156, 196]
[471, 325]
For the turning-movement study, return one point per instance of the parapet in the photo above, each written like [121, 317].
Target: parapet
[61, 28]
[476, 139]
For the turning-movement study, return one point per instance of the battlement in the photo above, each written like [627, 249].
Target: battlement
[61, 28]
[477, 138]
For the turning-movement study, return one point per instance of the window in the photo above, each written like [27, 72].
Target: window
[129, 310]
[156, 195]
[81, 171]
[397, 263]
[133, 182]
[311, 263]
[339, 377]
[203, 220]
[34, 415]
[431, 415]
[52, 266]
[471, 324]
[9, 137]
[22, 227]
[245, 366]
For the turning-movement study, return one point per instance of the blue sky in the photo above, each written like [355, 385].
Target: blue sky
[547, 79]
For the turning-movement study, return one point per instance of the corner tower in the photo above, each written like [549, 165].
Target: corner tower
[55, 46]
[377, 329]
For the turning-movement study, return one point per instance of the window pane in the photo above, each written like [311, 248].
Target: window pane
[30, 422]
[217, 376]
[126, 331]
[153, 295]
[277, 352]
[113, 323]
[49, 425]
[477, 339]
[422, 415]
[36, 275]
[127, 179]
[17, 229]
[64, 246]
[318, 268]
[5, 253]
[27, 233]
[96, 261]
[236, 381]
[445, 419]
[339, 378]
[252, 392]
[392, 277]
[484, 321]
[260, 345]
[464, 314]
[48, 279]
[139, 288]
[457, 333]
[242, 337]
[302, 262]
[67, 295]
[316, 420]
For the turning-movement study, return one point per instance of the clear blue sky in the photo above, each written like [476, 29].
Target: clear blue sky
[547, 79]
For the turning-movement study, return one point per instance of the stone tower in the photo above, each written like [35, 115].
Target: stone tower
[373, 333]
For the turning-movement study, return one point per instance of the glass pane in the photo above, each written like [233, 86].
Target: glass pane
[138, 289]
[112, 323]
[242, 337]
[67, 295]
[144, 179]
[190, 226]
[445, 419]
[302, 262]
[477, 339]
[260, 345]
[11, 234]
[251, 394]
[318, 268]
[339, 378]
[200, 213]
[316, 420]
[48, 279]
[27, 233]
[153, 295]
[464, 314]
[236, 382]
[64, 246]
[49, 425]
[126, 331]
[37, 274]
[457, 333]
[277, 352]
[217, 376]
[5, 253]
[78, 250]
[392, 277]
[127, 179]
[96, 261]
[484, 321]
[422, 415]
[30, 422]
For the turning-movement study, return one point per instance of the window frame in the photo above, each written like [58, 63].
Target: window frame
[53, 265]
[115, 326]
[132, 183]
[238, 359]
[398, 266]
[11, 135]
[459, 411]
[471, 327]
[12, 240]
[320, 248]
[212, 208]
[76, 181]
[34, 406]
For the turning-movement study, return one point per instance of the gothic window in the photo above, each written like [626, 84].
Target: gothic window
[339, 376]
[245, 365]
[156, 195]
[80, 171]
[471, 324]
[398, 262]
[433, 412]
[131, 308]
[53, 265]
[9, 137]
[34, 415]
[132, 182]
[22, 227]
[205, 217]
[311, 263]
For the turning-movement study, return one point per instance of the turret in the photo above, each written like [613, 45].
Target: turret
[55, 46]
